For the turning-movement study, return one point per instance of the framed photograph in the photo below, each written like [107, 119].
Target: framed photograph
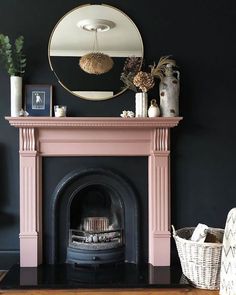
[38, 100]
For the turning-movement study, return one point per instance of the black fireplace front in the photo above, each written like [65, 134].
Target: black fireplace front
[94, 220]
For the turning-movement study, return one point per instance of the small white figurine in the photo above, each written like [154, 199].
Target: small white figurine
[23, 113]
[153, 110]
[127, 114]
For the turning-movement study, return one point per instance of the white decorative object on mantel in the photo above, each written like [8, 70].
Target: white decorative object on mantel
[23, 113]
[127, 114]
[153, 110]
[16, 95]
[60, 111]
[228, 260]
[141, 104]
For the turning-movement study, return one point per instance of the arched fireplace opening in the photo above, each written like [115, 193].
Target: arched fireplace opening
[96, 226]
[94, 219]
[96, 202]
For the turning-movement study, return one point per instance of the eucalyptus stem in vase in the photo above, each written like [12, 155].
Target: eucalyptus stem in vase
[14, 60]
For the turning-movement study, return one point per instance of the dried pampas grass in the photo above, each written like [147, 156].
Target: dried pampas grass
[158, 71]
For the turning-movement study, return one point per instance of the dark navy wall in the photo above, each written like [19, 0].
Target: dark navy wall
[201, 36]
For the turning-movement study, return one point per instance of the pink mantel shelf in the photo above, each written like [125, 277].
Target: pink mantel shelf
[94, 136]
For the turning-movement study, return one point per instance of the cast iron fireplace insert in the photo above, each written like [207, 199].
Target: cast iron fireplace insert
[94, 220]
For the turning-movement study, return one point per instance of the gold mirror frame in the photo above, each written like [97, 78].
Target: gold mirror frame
[89, 7]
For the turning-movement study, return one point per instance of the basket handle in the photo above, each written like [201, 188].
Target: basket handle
[173, 229]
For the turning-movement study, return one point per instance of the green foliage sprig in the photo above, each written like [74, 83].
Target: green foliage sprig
[12, 56]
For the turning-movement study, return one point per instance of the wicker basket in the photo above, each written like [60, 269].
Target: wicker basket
[200, 262]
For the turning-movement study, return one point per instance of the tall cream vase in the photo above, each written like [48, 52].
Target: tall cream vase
[141, 99]
[16, 95]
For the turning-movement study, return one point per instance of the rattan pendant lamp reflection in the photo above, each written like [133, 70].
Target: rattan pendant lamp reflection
[96, 62]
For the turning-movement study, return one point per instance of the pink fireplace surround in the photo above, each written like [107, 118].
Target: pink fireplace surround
[94, 136]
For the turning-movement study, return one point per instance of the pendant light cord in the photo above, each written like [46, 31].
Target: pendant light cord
[95, 44]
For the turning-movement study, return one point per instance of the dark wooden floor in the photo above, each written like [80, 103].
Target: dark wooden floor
[187, 291]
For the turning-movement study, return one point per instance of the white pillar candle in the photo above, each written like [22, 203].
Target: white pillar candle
[60, 111]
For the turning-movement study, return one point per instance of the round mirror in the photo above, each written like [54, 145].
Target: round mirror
[88, 48]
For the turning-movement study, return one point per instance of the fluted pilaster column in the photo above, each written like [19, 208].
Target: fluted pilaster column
[30, 198]
[159, 199]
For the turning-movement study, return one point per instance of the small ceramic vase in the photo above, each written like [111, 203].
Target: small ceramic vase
[153, 110]
[141, 104]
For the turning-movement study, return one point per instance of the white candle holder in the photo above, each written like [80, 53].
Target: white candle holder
[60, 111]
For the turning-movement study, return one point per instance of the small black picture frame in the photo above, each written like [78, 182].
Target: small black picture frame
[38, 100]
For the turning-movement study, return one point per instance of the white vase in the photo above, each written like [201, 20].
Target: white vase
[141, 104]
[16, 95]
[169, 93]
[153, 110]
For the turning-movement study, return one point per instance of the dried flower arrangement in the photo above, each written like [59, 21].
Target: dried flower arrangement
[159, 70]
[135, 79]
[131, 67]
[144, 81]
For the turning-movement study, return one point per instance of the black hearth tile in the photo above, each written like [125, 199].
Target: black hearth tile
[65, 276]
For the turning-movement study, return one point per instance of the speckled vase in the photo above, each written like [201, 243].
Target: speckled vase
[169, 93]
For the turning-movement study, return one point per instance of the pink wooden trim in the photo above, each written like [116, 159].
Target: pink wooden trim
[159, 209]
[93, 122]
[94, 142]
[49, 136]
[30, 198]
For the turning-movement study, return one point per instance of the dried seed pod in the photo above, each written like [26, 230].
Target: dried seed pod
[144, 81]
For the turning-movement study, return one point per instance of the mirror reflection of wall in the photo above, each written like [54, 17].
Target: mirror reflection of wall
[116, 36]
